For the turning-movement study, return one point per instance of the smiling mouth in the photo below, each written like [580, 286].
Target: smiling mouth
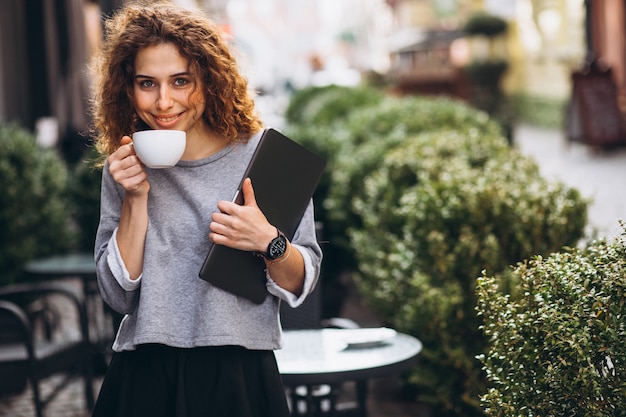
[166, 119]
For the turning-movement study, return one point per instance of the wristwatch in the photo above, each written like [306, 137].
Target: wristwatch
[276, 247]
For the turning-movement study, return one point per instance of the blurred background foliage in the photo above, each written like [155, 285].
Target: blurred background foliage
[421, 195]
[48, 206]
[34, 208]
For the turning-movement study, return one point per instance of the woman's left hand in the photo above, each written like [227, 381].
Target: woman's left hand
[242, 227]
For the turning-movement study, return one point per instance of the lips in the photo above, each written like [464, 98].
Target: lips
[167, 120]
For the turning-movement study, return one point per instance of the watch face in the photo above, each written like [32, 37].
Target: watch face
[277, 247]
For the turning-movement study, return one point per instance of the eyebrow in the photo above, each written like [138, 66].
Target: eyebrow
[178, 74]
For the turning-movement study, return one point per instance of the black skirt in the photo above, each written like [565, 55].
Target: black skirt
[216, 381]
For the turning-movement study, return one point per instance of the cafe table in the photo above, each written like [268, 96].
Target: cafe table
[329, 357]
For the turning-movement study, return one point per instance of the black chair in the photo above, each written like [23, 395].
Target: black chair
[26, 351]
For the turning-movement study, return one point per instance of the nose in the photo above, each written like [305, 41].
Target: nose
[164, 100]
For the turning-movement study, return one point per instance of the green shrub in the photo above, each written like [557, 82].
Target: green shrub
[420, 195]
[369, 133]
[557, 345]
[84, 194]
[325, 105]
[315, 118]
[540, 111]
[486, 73]
[435, 211]
[481, 23]
[34, 214]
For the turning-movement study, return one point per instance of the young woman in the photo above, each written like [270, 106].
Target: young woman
[184, 347]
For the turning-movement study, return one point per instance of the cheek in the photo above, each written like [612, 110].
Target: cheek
[141, 101]
[196, 100]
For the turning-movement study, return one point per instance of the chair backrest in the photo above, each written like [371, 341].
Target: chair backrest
[38, 359]
[14, 323]
[15, 342]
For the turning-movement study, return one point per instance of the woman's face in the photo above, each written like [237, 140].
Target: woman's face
[166, 94]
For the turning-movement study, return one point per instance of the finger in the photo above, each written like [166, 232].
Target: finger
[124, 153]
[218, 238]
[135, 184]
[219, 218]
[133, 173]
[125, 140]
[225, 206]
[249, 198]
[121, 162]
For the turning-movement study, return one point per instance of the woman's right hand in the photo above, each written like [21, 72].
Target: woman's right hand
[127, 170]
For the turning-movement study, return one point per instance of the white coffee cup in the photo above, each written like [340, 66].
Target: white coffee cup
[159, 148]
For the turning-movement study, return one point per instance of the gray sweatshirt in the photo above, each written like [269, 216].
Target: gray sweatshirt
[169, 303]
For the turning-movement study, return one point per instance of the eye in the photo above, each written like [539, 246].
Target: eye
[181, 82]
[146, 84]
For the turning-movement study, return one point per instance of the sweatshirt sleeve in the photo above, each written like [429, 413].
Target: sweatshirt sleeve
[305, 240]
[117, 289]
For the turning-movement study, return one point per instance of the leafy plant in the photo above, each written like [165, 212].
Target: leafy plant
[369, 133]
[422, 194]
[316, 116]
[84, 194]
[481, 23]
[325, 105]
[556, 346]
[540, 111]
[436, 210]
[34, 214]
[486, 73]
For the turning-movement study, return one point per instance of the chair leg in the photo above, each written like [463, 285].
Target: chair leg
[37, 401]
[89, 395]
[361, 395]
[88, 378]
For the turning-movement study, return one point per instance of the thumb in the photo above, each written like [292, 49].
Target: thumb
[248, 193]
[125, 140]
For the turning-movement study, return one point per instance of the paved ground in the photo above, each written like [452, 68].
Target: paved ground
[597, 174]
[600, 175]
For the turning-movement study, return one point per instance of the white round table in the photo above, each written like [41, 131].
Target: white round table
[333, 356]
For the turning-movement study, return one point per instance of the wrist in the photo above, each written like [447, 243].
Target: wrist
[276, 248]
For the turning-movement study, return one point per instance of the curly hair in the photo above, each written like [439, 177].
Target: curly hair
[229, 106]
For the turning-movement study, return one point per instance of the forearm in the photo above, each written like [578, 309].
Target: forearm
[131, 233]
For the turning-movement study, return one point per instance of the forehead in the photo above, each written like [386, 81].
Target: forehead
[160, 60]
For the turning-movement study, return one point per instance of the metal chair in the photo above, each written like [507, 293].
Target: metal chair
[25, 351]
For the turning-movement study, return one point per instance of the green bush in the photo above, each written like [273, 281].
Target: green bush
[557, 345]
[34, 214]
[481, 23]
[325, 105]
[369, 133]
[84, 194]
[540, 111]
[486, 73]
[315, 118]
[421, 194]
[435, 211]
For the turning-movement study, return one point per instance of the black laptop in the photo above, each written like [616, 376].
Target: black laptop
[284, 175]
